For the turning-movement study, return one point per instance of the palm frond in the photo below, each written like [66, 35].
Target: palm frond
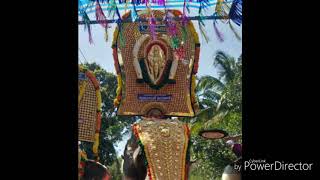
[211, 123]
[208, 103]
[225, 65]
[209, 82]
[211, 95]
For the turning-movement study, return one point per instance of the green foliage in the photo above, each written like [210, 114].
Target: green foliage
[115, 171]
[211, 156]
[220, 101]
[112, 126]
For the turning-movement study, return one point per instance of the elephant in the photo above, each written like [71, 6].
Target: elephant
[133, 166]
[133, 161]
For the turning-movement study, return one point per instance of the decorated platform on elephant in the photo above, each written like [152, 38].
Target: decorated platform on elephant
[156, 70]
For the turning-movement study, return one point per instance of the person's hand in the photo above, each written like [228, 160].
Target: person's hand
[235, 138]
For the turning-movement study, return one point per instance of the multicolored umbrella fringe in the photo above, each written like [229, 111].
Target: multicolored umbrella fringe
[105, 10]
[218, 33]
[234, 31]
[101, 18]
[86, 20]
[203, 6]
[235, 13]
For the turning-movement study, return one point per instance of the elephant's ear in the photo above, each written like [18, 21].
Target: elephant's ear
[136, 153]
[129, 169]
[139, 161]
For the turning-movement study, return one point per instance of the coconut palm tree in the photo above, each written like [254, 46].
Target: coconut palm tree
[217, 96]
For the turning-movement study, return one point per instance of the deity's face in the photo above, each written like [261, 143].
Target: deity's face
[156, 51]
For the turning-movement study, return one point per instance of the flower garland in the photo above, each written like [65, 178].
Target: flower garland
[83, 159]
[194, 33]
[196, 59]
[186, 151]
[194, 102]
[136, 134]
[117, 100]
[115, 37]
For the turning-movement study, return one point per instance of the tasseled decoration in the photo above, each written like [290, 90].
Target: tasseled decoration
[234, 31]
[135, 2]
[235, 13]
[152, 21]
[152, 25]
[106, 37]
[218, 33]
[126, 6]
[134, 12]
[184, 21]
[219, 10]
[180, 52]
[96, 144]
[118, 14]
[171, 26]
[203, 5]
[184, 14]
[86, 20]
[161, 2]
[174, 42]
[111, 7]
[203, 32]
[184, 33]
[100, 17]
[122, 40]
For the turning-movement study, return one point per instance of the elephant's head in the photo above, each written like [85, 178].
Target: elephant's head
[133, 166]
[163, 154]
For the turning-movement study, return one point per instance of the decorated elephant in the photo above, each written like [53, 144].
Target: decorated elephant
[156, 70]
[134, 167]
[157, 149]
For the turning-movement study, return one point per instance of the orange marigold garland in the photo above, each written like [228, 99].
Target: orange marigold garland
[117, 100]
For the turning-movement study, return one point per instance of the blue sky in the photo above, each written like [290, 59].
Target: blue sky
[101, 52]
